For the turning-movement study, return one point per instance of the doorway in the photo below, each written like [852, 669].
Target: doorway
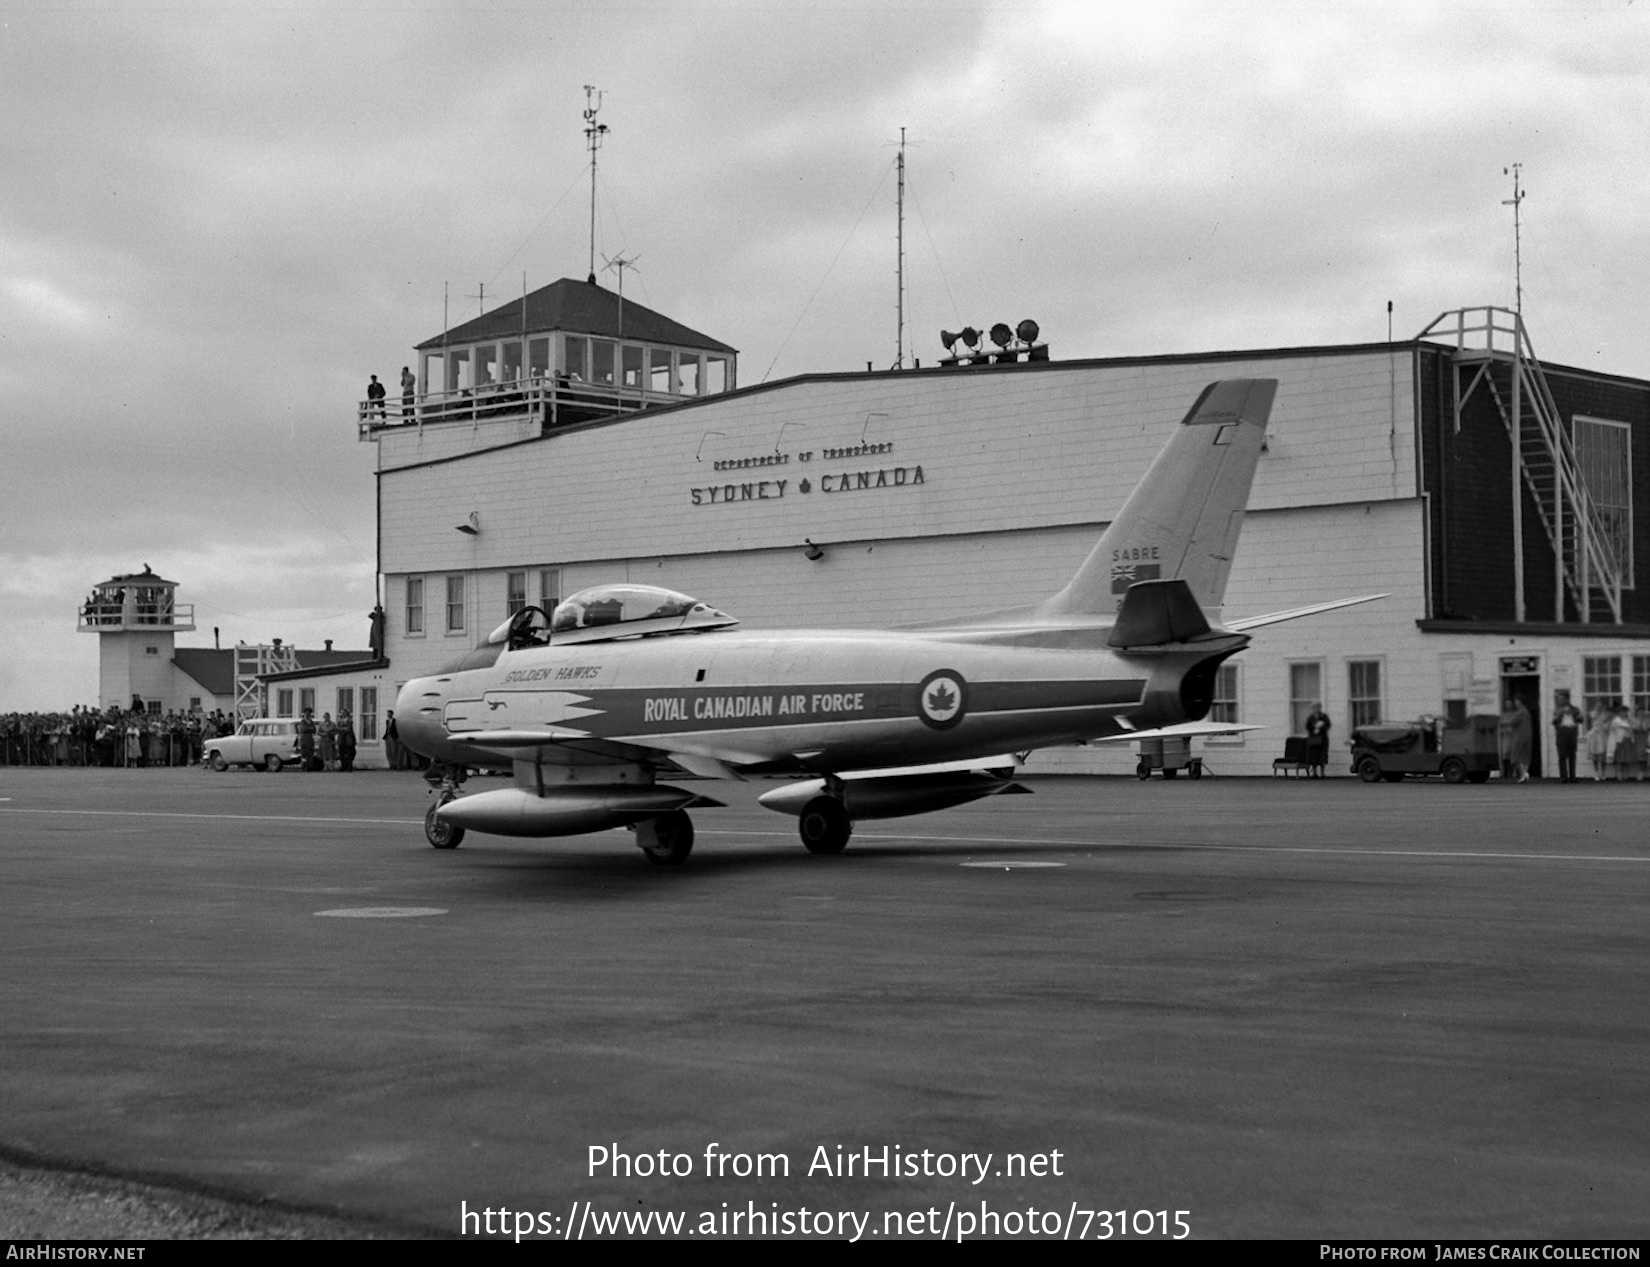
[1521, 680]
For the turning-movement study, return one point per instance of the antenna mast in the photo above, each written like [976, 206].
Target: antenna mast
[593, 133]
[899, 271]
[1518, 237]
[619, 263]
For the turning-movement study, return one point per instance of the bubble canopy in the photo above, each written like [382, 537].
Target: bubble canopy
[611, 611]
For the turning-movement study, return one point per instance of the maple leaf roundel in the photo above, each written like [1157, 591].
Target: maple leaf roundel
[942, 699]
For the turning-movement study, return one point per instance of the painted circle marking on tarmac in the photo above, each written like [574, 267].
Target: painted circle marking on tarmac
[382, 912]
[1009, 865]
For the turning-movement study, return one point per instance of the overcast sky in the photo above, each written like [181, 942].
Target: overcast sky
[217, 219]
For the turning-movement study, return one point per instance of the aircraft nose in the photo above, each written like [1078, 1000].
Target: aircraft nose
[418, 712]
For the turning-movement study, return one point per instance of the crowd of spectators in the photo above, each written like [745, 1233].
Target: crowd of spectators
[87, 736]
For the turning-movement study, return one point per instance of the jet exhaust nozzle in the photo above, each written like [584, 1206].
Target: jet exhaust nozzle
[896, 796]
[566, 811]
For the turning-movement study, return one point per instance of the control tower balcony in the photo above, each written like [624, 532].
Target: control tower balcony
[138, 603]
[548, 402]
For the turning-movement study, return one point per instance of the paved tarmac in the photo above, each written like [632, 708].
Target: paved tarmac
[1284, 1008]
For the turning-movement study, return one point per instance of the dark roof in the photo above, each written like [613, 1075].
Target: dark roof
[580, 308]
[214, 668]
[145, 577]
[329, 659]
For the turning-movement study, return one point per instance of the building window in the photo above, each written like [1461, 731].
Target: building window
[1305, 693]
[549, 588]
[515, 592]
[601, 362]
[306, 699]
[659, 376]
[631, 359]
[1604, 452]
[415, 605]
[1600, 681]
[1641, 682]
[194, 703]
[716, 374]
[283, 701]
[1223, 705]
[346, 703]
[1363, 691]
[367, 724]
[151, 651]
[575, 350]
[455, 604]
[1224, 708]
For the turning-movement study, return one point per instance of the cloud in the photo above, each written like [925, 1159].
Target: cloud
[218, 221]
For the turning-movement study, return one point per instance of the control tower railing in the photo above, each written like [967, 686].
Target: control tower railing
[106, 613]
[552, 401]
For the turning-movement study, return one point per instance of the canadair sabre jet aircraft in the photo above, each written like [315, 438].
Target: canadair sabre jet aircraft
[624, 683]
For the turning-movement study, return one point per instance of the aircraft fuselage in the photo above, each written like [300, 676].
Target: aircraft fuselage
[805, 701]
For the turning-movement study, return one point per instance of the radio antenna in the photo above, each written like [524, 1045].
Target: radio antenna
[1518, 236]
[593, 133]
[618, 264]
[899, 262]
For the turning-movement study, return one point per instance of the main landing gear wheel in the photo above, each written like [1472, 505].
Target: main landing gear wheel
[666, 840]
[442, 835]
[824, 825]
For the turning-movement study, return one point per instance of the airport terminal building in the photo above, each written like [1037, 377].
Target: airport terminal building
[569, 439]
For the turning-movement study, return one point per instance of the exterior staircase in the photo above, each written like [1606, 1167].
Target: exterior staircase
[1590, 549]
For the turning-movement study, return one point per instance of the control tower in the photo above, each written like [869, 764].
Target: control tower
[136, 618]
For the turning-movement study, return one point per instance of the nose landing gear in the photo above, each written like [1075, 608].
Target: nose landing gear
[444, 782]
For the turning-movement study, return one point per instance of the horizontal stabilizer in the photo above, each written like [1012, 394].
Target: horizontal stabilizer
[1295, 613]
[1158, 612]
[1185, 730]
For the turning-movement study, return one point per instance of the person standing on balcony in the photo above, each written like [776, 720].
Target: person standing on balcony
[409, 385]
[375, 398]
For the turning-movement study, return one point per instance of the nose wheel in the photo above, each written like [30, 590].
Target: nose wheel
[441, 834]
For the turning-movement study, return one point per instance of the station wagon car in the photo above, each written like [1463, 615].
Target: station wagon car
[260, 742]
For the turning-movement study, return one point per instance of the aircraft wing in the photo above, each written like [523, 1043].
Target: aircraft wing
[520, 737]
[1002, 765]
[1185, 730]
[634, 749]
[1295, 613]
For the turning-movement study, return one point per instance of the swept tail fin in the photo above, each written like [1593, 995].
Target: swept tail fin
[1182, 520]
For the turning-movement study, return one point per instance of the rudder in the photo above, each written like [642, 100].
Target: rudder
[1183, 518]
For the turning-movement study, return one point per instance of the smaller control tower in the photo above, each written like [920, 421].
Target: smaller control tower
[136, 618]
